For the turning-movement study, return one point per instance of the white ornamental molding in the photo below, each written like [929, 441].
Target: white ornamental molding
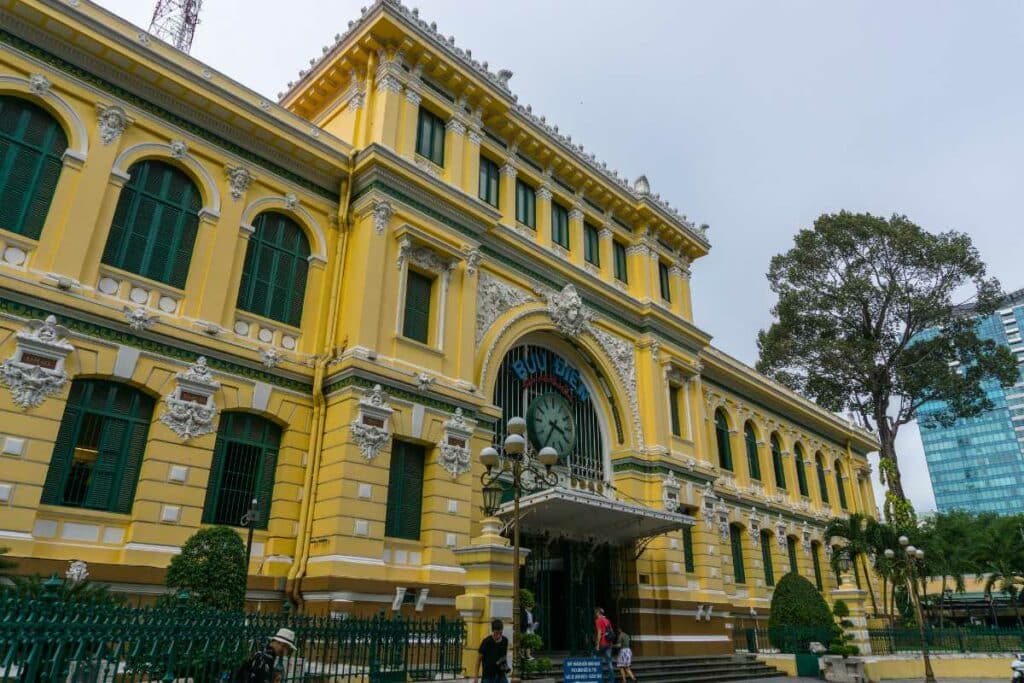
[38, 84]
[270, 357]
[670, 489]
[112, 121]
[568, 313]
[620, 353]
[78, 571]
[178, 149]
[370, 429]
[493, 298]
[381, 215]
[239, 179]
[423, 257]
[36, 370]
[291, 202]
[455, 454]
[755, 527]
[190, 407]
[473, 257]
[805, 538]
[707, 505]
[722, 516]
[781, 531]
[138, 319]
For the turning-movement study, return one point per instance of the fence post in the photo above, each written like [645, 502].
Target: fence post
[960, 640]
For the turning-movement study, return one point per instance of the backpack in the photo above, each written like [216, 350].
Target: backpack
[609, 632]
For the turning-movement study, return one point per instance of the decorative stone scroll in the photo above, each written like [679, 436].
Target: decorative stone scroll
[455, 453]
[781, 531]
[755, 527]
[422, 257]
[370, 428]
[36, 370]
[707, 505]
[568, 313]
[239, 179]
[190, 407]
[112, 121]
[670, 493]
[494, 297]
[805, 538]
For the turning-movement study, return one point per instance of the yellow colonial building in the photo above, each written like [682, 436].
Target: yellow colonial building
[332, 303]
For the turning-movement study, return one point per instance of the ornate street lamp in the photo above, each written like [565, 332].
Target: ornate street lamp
[250, 519]
[908, 559]
[514, 465]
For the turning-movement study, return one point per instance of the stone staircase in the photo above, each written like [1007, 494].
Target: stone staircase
[702, 669]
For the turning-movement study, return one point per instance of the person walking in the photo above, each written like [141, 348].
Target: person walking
[493, 659]
[267, 664]
[605, 636]
[624, 660]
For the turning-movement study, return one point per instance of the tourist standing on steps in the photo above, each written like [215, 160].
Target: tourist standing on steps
[624, 660]
[605, 636]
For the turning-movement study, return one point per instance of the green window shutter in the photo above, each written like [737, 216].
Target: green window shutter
[135, 450]
[113, 437]
[801, 471]
[621, 269]
[275, 269]
[405, 491]
[430, 136]
[816, 561]
[822, 484]
[526, 204]
[739, 572]
[688, 548]
[489, 181]
[663, 280]
[753, 461]
[722, 439]
[777, 465]
[766, 558]
[559, 225]
[673, 410]
[155, 224]
[591, 244]
[32, 144]
[791, 549]
[63, 448]
[840, 489]
[244, 467]
[417, 307]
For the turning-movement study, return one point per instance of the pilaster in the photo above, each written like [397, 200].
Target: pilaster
[410, 105]
[638, 265]
[454, 149]
[471, 162]
[386, 101]
[544, 215]
[607, 258]
[507, 193]
[855, 599]
[576, 246]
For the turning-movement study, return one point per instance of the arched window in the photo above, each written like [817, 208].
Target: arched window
[791, 550]
[753, 462]
[816, 560]
[244, 464]
[155, 223]
[274, 274]
[722, 439]
[777, 466]
[801, 471]
[99, 448]
[819, 462]
[32, 145]
[736, 542]
[766, 558]
[839, 485]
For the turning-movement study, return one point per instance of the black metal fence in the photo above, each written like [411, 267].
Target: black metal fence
[896, 641]
[46, 639]
[789, 640]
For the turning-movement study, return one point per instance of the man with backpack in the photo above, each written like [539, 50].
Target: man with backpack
[605, 639]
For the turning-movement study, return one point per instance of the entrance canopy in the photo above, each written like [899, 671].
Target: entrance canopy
[583, 515]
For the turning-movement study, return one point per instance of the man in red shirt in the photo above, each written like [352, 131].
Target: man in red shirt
[603, 647]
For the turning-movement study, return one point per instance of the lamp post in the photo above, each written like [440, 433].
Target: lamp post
[514, 465]
[249, 520]
[908, 558]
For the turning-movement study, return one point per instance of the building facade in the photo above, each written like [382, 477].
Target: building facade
[977, 464]
[332, 303]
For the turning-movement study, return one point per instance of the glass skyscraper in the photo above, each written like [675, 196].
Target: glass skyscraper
[978, 463]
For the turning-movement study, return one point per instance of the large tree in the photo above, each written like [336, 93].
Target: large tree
[868, 321]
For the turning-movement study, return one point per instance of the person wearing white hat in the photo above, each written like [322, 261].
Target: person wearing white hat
[266, 665]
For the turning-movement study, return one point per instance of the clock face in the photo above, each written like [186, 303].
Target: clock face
[549, 422]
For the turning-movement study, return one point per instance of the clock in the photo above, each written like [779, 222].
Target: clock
[549, 422]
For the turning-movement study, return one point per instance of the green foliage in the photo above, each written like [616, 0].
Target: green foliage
[536, 668]
[866, 322]
[6, 565]
[65, 592]
[212, 568]
[799, 612]
[840, 610]
[526, 599]
[530, 641]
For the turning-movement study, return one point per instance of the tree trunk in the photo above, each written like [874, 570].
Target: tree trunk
[867, 578]
[942, 603]
[1016, 611]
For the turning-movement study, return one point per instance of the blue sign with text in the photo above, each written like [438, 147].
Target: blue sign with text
[582, 670]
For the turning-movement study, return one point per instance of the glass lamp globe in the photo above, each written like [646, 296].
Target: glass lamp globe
[919, 554]
[548, 456]
[516, 425]
[911, 550]
[889, 554]
[515, 444]
[489, 457]
[904, 541]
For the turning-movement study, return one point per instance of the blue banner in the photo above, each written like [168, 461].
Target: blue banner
[582, 670]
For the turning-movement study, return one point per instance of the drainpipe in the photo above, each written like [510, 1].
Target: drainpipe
[298, 568]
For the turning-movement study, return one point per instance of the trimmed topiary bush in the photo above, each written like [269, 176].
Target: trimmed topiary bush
[212, 568]
[799, 616]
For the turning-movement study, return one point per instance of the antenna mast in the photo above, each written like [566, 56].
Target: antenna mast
[174, 22]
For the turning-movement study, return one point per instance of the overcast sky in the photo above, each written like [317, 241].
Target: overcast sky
[754, 117]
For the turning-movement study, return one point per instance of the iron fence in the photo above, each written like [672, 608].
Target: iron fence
[48, 639]
[787, 640]
[895, 641]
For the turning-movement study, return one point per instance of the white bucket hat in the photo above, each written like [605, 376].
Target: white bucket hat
[286, 636]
